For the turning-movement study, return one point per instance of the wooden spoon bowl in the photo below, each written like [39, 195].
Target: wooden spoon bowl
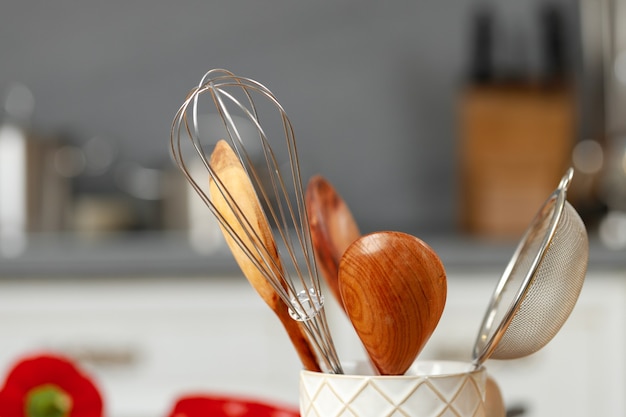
[394, 289]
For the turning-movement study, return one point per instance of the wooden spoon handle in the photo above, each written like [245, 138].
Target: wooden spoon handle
[241, 202]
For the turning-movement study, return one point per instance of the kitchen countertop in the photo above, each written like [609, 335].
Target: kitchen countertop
[157, 254]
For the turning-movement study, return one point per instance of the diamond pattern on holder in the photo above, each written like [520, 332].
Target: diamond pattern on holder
[461, 398]
[429, 397]
[371, 400]
[424, 402]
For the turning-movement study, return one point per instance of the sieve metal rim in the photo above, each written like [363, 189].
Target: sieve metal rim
[485, 344]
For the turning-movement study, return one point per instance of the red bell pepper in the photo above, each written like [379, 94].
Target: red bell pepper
[48, 385]
[226, 406]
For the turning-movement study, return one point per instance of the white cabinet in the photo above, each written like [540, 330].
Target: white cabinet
[149, 340]
[580, 373]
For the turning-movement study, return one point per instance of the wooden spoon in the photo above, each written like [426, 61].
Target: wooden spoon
[394, 290]
[333, 229]
[253, 234]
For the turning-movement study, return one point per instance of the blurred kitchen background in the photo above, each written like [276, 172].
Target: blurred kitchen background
[448, 119]
[452, 120]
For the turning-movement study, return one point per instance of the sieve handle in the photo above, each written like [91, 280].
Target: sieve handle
[567, 179]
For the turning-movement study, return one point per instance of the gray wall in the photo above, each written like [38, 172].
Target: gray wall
[371, 87]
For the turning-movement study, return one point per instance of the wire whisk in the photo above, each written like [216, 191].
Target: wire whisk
[265, 153]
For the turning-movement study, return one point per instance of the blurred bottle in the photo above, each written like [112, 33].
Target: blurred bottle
[33, 196]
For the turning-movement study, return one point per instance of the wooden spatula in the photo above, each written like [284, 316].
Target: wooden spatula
[241, 210]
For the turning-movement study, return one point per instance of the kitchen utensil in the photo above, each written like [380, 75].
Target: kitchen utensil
[540, 285]
[394, 290]
[333, 229]
[255, 232]
[268, 154]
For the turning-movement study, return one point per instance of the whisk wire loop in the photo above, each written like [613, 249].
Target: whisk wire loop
[295, 278]
[279, 189]
[258, 250]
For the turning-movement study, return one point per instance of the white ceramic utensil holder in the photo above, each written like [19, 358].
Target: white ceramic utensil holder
[428, 389]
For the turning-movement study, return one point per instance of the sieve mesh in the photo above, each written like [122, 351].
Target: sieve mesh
[554, 287]
[509, 293]
[540, 285]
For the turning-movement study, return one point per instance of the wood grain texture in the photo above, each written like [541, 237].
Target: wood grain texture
[254, 233]
[394, 289]
[333, 229]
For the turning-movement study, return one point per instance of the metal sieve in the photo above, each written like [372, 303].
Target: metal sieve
[540, 285]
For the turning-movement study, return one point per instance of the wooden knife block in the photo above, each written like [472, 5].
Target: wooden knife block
[516, 144]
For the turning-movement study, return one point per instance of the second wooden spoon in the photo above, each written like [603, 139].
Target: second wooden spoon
[394, 289]
[333, 228]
